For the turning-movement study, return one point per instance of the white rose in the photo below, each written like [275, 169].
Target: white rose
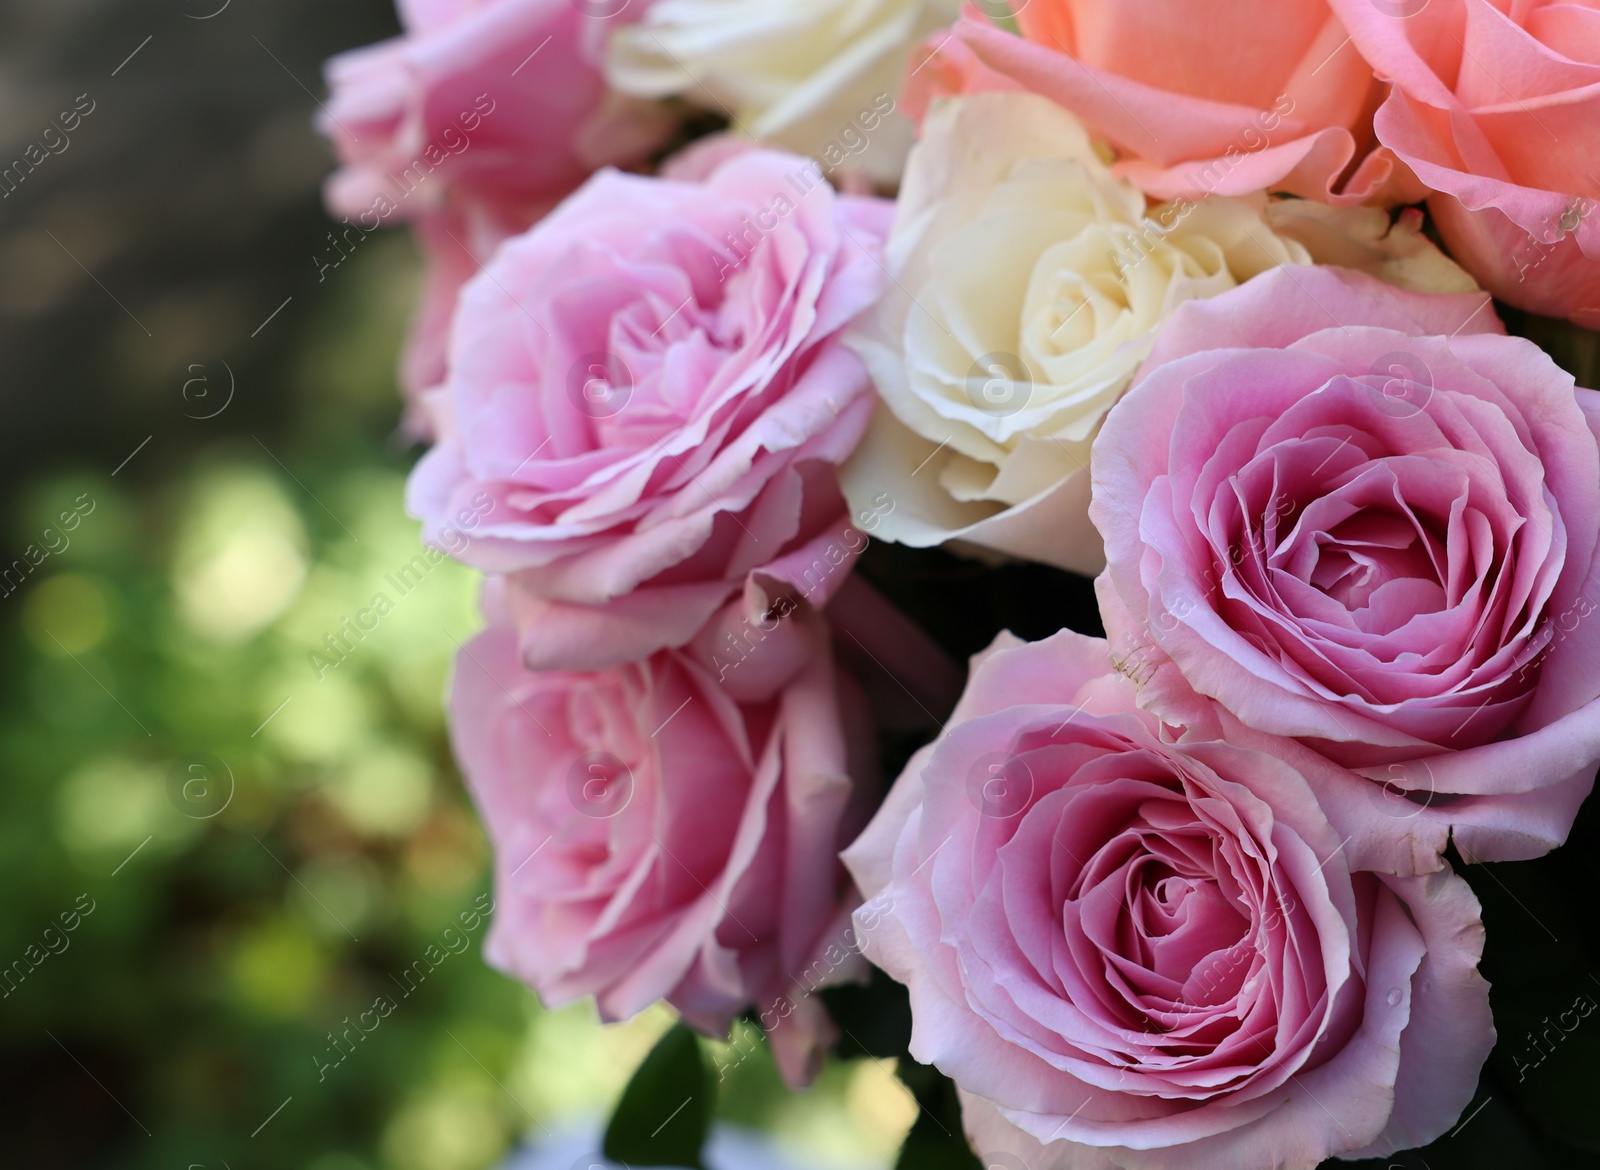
[1029, 284]
[818, 77]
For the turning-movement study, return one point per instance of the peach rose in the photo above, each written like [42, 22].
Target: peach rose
[1499, 113]
[1195, 99]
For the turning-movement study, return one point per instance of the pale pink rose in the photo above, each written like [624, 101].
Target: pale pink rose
[1139, 951]
[649, 392]
[1496, 107]
[1366, 519]
[497, 99]
[456, 241]
[1195, 99]
[661, 834]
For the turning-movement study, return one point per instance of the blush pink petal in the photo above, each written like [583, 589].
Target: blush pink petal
[1281, 306]
[455, 242]
[1448, 1035]
[568, 635]
[814, 561]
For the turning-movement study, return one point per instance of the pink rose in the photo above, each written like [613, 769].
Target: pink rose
[1496, 107]
[497, 99]
[659, 834]
[455, 242]
[1129, 951]
[1196, 99]
[647, 400]
[1364, 518]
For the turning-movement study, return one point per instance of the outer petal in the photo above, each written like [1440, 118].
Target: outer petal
[1450, 1032]
[566, 635]
[1496, 111]
[1556, 278]
[1283, 305]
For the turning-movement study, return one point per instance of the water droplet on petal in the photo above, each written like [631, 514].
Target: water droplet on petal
[1394, 997]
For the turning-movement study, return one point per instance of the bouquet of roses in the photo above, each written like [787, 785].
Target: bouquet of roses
[726, 297]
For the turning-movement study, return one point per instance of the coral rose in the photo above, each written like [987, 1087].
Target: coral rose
[1196, 99]
[1496, 107]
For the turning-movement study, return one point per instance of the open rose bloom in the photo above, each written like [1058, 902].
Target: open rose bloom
[1354, 517]
[650, 390]
[1138, 953]
[661, 835]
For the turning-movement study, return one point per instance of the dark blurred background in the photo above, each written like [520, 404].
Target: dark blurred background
[183, 212]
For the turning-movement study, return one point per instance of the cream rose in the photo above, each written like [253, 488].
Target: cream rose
[819, 77]
[1029, 285]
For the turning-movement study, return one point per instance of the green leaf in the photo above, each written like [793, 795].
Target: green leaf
[665, 1112]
